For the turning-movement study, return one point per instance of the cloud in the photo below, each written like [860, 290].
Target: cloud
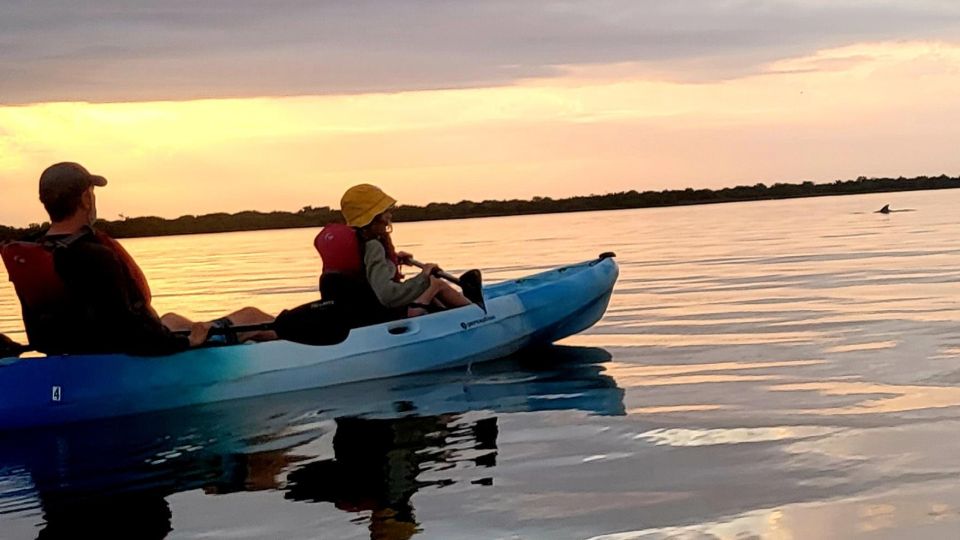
[111, 50]
[881, 109]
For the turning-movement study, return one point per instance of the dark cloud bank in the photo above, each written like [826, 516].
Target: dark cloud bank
[102, 51]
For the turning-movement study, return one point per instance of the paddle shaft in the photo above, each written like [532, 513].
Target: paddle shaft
[213, 332]
[316, 323]
[241, 328]
[470, 282]
[449, 277]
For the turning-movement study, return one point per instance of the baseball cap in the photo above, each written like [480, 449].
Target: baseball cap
[65, 179]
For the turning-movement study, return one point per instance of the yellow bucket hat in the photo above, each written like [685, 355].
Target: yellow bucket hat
[363, 202]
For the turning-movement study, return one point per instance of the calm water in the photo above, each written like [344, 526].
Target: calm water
[785, 369]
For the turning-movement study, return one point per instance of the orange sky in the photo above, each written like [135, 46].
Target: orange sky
[883, 108]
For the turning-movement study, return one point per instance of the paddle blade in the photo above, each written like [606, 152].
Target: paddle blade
[316, 323]
[471, 282]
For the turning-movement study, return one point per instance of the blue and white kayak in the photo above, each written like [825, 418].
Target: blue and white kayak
[535, 310]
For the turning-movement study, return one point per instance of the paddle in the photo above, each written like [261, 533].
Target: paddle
[471, 282]
[316, 323]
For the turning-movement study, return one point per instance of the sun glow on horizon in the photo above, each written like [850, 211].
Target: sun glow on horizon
[878, 108]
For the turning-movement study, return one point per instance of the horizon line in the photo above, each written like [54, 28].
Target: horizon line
[34, 226]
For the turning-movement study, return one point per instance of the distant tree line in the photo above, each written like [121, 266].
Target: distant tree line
[309, 216]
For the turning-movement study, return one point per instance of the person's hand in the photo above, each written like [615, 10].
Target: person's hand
[430, 269]
[199, 333]
[404, 256]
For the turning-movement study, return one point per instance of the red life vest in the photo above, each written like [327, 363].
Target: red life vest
[30, 266]
[31, 269]
[340, 251]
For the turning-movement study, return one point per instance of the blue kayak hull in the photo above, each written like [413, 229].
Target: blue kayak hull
[535, 310]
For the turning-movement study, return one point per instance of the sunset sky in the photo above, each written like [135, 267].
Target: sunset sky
[225, 105]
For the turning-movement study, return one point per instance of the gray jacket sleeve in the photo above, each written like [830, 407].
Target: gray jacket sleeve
[380, 272]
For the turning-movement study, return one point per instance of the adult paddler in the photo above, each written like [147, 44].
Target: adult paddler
[81, 292]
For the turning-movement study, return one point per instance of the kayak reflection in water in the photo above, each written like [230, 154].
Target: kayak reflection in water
[81, 292]
[143, 515]
[377, 464]
[112, 479]
[376, 469]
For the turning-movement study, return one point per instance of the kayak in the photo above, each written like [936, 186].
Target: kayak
[535, 310]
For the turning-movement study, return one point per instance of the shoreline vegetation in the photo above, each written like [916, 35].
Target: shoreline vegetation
[310, 216]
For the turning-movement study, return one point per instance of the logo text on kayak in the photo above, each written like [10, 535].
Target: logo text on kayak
[471, 324]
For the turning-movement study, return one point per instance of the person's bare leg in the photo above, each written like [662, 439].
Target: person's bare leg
[176, 323]
[250, 316]
[243, 317]
[451, 297]
[426, 298]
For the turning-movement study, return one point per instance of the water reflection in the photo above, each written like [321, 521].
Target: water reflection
[142, 514]
[390, 439]
[783, 380]
[378, 465]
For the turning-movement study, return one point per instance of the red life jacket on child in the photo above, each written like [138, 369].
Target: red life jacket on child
[344, 279]
[341, 252]
[31, 269]
[339, 249]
